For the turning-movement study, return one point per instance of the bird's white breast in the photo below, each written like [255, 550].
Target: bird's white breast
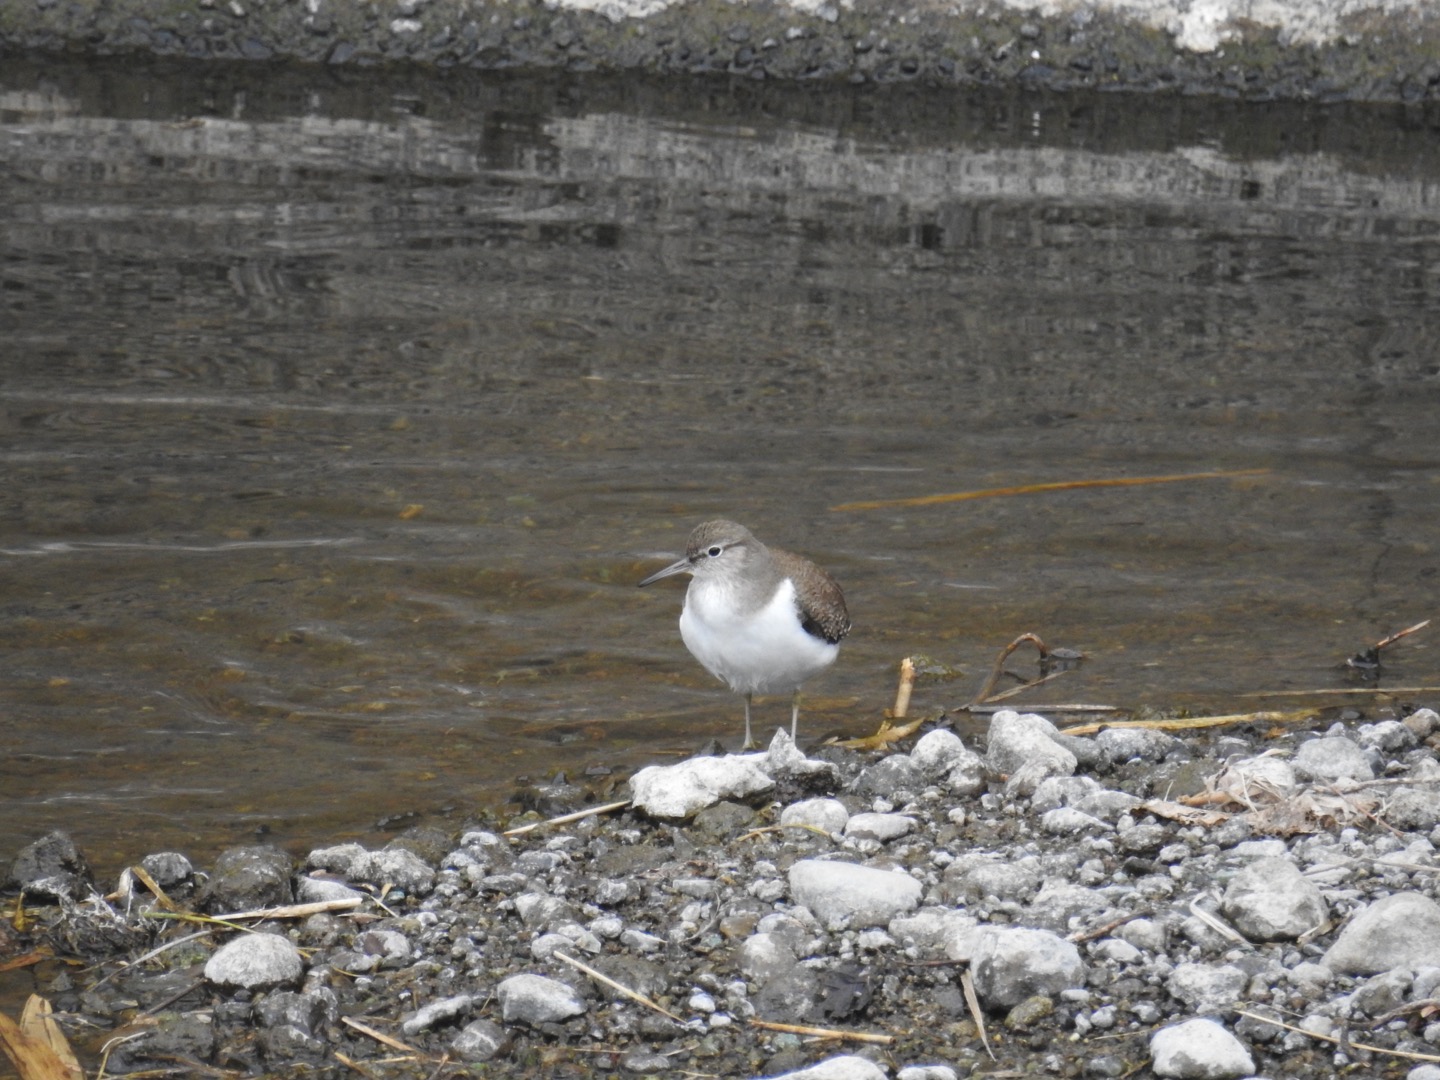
[765, 651]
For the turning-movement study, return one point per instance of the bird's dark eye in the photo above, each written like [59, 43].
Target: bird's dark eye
[715, 551]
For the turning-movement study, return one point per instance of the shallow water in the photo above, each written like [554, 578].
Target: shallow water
[342, 412]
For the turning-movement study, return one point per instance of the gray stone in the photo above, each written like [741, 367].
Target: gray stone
[1413, 809]
[437, 1012]
[1011, 964]
[248, 878]
[168, 868]
[789, 997]
[968, 776]
[845, 1067]
[782, 759]
[828, 815]
[1144, 934]
[1387, 736]
[1271, 900]
[1058, 904]
[1199, 1050]
[938, 931]
[534, 999]
[678, 791]
[186, 1036]
[479, 1040]
[1383, 993]
[389, 948]
[1119, 745]
[848, 895]
[540, 911]
[972, 878]
[1018, 740]
[763, 957]
[347, 860]
[51, 868]
[1067, 821]
[1332, 758]
[937, 752]
[926, 1072]
[1401, 929]
[312, 890]
[293, 1023]
[1423, 723]
[889, 777]
[882, 827]
[255, 962]
[1207, 989]
[399, 868]
[1056, 791]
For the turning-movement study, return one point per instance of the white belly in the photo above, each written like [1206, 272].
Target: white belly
[766, 652]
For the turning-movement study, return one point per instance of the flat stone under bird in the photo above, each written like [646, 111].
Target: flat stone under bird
[760, 619]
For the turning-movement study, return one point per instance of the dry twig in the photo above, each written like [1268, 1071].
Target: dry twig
[565, 819]
[903, 690]
[1408, 1055]
[633, 995]
[998, 668]
[823, 1033]
[378, 1036]
[967, 984]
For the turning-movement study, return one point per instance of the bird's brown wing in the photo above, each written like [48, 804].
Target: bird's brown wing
[818, 595]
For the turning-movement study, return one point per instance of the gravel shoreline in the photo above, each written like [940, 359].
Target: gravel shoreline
[1282, 51]
[1282, 924]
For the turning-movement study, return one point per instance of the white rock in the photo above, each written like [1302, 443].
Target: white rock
[1118, 951]
[1199, 1050]
[762, 957]
[534, 999]
[1332, 758]
[1403, 928]
[310, 890]
[827, 814]
[479, 1040]
[926, 1072]
[255, 962]
[783, 758]
[1013, 963]
[678, 791]
[1066, 820]
[1207, 989]
[967, 777]
[941, 931]
[882, 827]
[938, 752]
[1387, 736]
[843, 894]
[1125, 744]
[1271, 900]
[1027, 741]
[437, 1012]
[845, 1067]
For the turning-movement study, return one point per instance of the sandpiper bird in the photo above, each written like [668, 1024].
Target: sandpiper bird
[761, 619]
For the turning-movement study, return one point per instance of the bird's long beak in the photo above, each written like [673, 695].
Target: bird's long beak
[681, 567]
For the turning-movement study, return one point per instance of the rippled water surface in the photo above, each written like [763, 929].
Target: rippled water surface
[342, 411]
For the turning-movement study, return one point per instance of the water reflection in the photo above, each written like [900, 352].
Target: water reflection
[344, 410]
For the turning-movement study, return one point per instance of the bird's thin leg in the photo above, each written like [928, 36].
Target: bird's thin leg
[749, 739]
[794, 712]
